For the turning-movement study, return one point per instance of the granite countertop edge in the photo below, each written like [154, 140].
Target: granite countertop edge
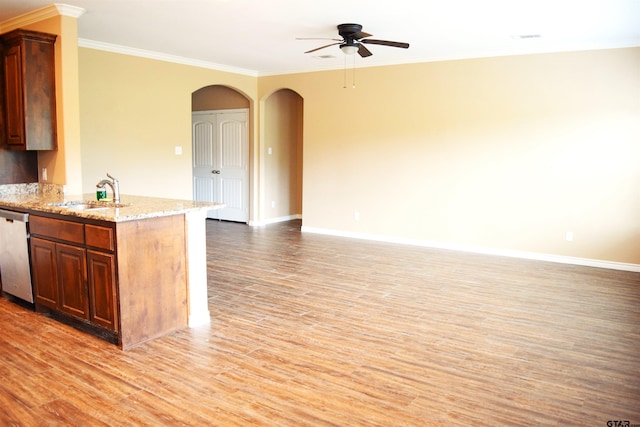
[137, 207]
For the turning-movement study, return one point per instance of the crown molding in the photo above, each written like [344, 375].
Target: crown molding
[50, 11]
[69, 10]
[125, 50]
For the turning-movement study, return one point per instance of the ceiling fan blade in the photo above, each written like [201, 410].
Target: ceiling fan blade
[363, 51]
[322, 47]
[386, 43]
[360, 34]
[317, 38]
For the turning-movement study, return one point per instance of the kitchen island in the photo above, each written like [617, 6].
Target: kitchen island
[126, 272]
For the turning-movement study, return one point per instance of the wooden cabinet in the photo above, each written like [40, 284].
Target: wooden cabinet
[74, 268]
[125, 282]
[28, 90]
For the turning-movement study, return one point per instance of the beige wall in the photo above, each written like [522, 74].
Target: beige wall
[134, 112]
[507, 153]
[217, 98]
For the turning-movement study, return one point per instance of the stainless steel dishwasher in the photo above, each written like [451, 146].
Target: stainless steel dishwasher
[15, 270]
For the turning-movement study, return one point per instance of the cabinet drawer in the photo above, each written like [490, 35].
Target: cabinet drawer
[99, 237]
[57, 229]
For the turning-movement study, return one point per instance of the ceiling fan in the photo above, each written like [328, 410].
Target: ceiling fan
[354, 39]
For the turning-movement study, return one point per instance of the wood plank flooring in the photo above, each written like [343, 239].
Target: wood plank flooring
[311, 330]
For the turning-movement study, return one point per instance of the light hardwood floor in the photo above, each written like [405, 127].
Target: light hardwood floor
[311, 330]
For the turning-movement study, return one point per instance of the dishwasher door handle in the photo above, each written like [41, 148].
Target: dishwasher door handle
[11, 216]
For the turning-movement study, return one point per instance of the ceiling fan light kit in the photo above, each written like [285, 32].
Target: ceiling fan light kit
[348, 49]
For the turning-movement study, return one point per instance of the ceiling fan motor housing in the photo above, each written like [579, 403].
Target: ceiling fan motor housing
[346, 29]
[351, 32]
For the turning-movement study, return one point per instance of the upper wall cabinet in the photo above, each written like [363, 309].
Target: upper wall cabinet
[28, 89]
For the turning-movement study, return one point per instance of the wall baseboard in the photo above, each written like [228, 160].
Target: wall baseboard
[586, 262]
[274, 220]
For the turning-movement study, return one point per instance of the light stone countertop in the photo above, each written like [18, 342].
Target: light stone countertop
[35, 198]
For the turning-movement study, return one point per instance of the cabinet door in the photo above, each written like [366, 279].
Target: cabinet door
[3, 133]
[72, 275]
[44, 272]
[14, 123]
[29, 86]
[102, 289]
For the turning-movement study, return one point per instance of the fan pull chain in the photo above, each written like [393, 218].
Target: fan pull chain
[344, 84]
[353, 73]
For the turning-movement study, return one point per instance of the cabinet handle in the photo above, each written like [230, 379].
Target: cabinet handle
[215, 171]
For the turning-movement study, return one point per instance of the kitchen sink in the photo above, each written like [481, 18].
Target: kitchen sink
[88, 205]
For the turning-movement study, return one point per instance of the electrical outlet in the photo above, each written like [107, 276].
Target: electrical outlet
[273, 203]
[44, 174]
[356, 216]
[178, 150]
[569, 236]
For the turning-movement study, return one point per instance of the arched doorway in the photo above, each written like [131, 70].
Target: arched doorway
[221, 155]
[282, 149]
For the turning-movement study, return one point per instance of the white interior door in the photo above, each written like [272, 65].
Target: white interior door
[221, 162]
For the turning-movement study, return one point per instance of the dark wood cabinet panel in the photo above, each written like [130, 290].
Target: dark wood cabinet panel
[45, 272]
[152, 278]
[102, 289]
[59, 229]
[99, 237]
[72, 277]
[28, 88]
[14, 122]
[3, 138]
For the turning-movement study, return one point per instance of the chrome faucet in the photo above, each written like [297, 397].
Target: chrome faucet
[114, 187]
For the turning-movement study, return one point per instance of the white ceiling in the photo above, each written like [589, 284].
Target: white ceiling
[258, 37]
